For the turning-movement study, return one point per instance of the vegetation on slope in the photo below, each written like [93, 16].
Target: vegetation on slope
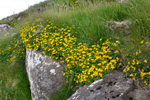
[14, 83]
[78, 34]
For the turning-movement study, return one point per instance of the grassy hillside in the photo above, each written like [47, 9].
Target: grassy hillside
[85, 36]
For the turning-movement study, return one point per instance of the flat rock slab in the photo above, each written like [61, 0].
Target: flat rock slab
[115, 86]
[44, 75]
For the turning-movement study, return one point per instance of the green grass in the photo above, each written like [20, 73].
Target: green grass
[14, 83]
[64, 92]
[90, 20]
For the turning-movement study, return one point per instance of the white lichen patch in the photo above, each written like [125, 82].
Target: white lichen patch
[52, 71]
[121, 94]
[57, 65]
[75, 96]
[37, 58]
[117, 86]
[95, 82]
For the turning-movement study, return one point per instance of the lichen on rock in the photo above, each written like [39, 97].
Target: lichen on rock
[44, 75]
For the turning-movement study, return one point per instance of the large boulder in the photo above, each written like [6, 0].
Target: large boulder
[44, 75]
[113, 87]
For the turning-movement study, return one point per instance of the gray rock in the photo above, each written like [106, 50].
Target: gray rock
[19, 18]
[10, 18]
[123, 26]
[137, 94]
[44, 75]
[13, 34]
[40, 9]
[4, 28]
[114, 86]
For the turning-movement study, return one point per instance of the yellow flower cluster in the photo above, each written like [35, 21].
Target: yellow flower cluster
[90, 63]
[138, 67]
[12, 51]
[84, 64]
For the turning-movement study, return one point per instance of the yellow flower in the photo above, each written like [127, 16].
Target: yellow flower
[100, 70]
[133, 78]
[145, 61]
[116, 51]
[145, 82]
[63, 74]
[71, 71]
[136, 53]
[99, 64]
[131, 75]
[119, 63]
[137, 62]
[142, 41]
[95, 73]
[101, 75]
[134, 68]
[69, 30]
[142, 74]
[117, 42]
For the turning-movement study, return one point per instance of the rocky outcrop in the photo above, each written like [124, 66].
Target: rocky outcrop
[46, 78]
[4, 28]
[44, 75]
[115, 86]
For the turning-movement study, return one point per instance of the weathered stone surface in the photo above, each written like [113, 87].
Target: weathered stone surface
[137, 94]
[114, 86]
[10, 18]
[4, 28]
[44, 75]
[122, 27]
[19, 18]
